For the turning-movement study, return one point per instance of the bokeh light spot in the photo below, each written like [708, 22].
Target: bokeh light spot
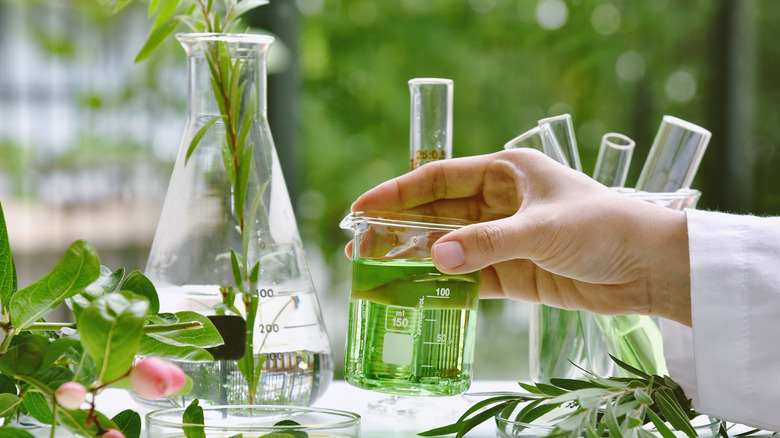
[630, 66]
[605, 19]
[551, 14]
[680, 86]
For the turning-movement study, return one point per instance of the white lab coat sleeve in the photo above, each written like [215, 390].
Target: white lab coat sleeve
[729, 361]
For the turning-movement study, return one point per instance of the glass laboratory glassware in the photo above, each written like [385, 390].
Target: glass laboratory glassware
[674, 157]
[529, 139]
[562, 130]
[560, 337]
[411, 327]
[636, 339]
[614, 159]
[430, 131]
[254, 420]
[227, 245]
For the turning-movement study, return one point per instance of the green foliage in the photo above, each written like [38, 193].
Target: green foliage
[78, 268]
[110, 331]
[594, 407]
[114, 320]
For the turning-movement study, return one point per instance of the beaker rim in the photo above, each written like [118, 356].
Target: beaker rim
[402, 219]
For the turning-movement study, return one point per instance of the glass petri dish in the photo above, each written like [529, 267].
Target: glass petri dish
[228, 421]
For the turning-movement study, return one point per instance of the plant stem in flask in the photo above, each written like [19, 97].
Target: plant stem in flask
[411, 328]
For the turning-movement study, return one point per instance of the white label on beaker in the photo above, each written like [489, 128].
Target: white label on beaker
[398, 348]
[400, 319]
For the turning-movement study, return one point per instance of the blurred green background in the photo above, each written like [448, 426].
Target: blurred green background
[88, 138]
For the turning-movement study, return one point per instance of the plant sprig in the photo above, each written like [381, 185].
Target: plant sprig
[117, 318]
[594, 406]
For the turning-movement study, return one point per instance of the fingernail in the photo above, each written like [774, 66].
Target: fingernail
[449, 255]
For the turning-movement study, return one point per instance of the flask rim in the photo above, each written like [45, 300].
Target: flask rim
[245, 38]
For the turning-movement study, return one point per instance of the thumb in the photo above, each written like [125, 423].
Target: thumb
[479, 245]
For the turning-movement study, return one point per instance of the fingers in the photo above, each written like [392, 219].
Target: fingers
[449, 179]
[476, 246]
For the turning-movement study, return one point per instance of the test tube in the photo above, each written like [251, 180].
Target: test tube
[674, 157]
[430, 133]
[614, 159]
[542, 139]
[563, 130]
[529, 139]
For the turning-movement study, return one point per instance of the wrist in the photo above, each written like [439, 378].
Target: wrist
[669, 273]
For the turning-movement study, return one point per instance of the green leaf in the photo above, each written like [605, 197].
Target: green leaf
[37, 405]
[236, 270]
[76, 421]
[25, 357]
[56, 349]
[198, 136]
[205, 337]
[530, 388]
[129, 423]
[111, 331]
[7, 385]
[152, 347]
[246, 123]
[673, 413]
[193, 417]
[105, 283]
[10, 432]
[292, 433]
[8, 281]
[571, 384]
[78, 268]
[137, 283]
[659, 424]
[642, 396]
[165, 12]
[629, 368]
[156, 37]
[8, 404]
[550, 390]
[53, 377]
[615, 430]
[246, 6]
[243, 180]
[476, 420]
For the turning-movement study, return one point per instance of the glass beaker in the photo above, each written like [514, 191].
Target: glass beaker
[411, 327]
[227, 244]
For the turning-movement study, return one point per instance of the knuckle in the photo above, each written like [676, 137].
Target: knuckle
[489, 237]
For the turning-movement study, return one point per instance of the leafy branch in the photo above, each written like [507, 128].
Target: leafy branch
[117, 318]
[595, 406]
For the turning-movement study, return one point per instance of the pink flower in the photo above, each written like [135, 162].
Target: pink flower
[112, 433]
[153, 378]
[71, 395]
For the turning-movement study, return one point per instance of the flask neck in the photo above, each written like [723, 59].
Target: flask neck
[226, 74]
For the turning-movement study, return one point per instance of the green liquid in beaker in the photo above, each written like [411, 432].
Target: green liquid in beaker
[411, 328]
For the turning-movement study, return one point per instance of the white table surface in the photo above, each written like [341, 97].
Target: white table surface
[431, 411]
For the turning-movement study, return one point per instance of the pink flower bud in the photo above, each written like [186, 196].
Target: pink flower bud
[151, 378]
[71, 395]
[178, 379]
[112, 433]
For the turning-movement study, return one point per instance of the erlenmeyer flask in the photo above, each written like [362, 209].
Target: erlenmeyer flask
[227, 245]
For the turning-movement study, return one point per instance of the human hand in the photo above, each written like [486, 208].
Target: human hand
[548, 234]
